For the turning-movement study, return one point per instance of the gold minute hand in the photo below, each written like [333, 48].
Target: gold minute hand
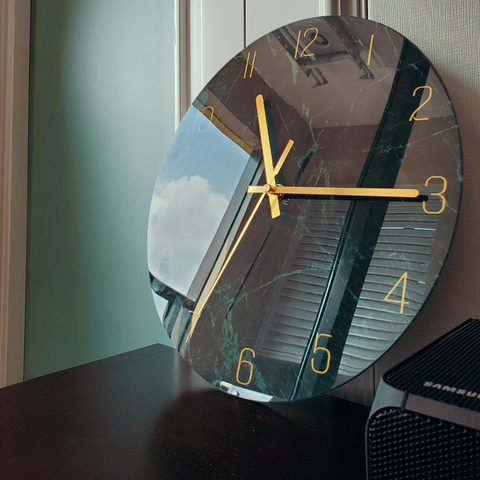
[339, 191]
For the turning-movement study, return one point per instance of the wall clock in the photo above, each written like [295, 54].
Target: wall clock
[305, 208]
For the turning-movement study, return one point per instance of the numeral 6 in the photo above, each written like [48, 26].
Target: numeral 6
[246, 362]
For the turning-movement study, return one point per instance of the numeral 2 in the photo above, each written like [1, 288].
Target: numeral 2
[412, 116]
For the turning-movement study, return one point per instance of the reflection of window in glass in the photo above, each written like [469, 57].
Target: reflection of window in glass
[190, 199]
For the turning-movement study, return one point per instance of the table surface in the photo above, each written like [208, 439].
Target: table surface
[146, 415]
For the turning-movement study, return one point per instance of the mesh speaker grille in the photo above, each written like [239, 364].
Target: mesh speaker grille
[406, 445]
[450, 365]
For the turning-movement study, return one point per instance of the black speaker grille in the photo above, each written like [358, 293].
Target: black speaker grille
[406, 445]
[448, 370]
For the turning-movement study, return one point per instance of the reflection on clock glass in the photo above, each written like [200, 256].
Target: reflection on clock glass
[190, 199]
[305, 208]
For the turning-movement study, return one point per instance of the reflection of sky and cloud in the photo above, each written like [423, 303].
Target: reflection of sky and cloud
[198, 177]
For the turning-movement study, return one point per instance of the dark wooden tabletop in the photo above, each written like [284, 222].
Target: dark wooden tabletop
[146, 415]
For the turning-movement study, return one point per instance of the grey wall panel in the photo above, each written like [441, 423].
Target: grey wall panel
[448, 32]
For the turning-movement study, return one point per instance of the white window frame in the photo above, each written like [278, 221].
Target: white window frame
[14, 79]
[356, 8]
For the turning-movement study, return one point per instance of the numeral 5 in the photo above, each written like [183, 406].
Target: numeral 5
[316, 348]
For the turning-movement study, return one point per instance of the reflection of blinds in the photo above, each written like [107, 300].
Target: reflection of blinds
[286, 331]
[403, 246]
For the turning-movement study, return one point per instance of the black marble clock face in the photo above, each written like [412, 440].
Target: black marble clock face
[305, 208]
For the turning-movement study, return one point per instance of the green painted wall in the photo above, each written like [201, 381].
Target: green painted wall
[102, 116]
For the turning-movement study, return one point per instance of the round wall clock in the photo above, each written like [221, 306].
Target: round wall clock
[305, 208]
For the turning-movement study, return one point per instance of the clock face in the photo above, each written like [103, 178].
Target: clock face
[305, 208]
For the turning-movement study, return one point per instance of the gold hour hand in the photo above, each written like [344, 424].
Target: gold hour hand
[339, 191]
[265, 140]
[270, 170]
[267, 154]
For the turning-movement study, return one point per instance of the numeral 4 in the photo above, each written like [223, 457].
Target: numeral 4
[401, 283]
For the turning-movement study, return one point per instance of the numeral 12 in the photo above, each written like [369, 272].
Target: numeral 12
[302, 53]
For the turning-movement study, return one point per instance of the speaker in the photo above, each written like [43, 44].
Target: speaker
[425, 419]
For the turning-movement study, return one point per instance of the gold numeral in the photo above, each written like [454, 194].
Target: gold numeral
[251, 66]
[316, 348]
[207, 112]
[412, 116]
[164, 265]
[370, 49]
[209, 109]
[302, 53]
[168, 190]
[246, 362]
[402, 280]
[439, 194]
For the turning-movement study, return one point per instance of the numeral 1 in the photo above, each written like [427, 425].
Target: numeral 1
[370, 49]
[402, 280]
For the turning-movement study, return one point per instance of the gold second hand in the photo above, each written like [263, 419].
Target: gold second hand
[196, 314]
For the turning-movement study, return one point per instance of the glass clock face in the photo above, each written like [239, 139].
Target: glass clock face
[305, 208]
